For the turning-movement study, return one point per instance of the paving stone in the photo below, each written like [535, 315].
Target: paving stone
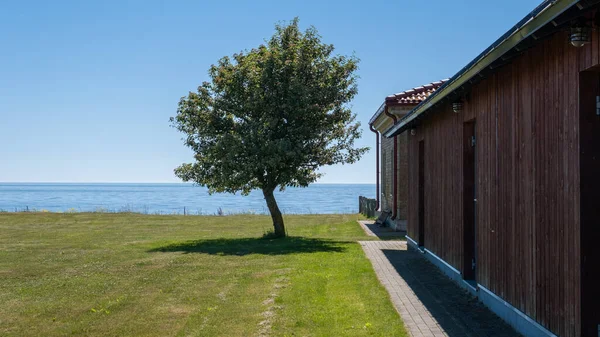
[429, 303]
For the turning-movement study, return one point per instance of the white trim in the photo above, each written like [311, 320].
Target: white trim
[377, 113]
[442, 261]
[449, 271]
[471, 287]
[522, 323]
[537, 330]
[408, 238]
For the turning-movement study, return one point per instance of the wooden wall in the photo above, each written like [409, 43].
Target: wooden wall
[528, 223]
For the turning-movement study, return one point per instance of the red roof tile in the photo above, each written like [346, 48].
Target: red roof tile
[409, 98]
[414, 96]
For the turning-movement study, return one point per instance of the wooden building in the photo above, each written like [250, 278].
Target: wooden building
[504, 173]
[392, 175]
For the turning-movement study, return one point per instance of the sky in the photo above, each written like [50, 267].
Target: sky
[87, 87]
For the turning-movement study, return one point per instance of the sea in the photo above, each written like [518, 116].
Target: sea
[176, 198]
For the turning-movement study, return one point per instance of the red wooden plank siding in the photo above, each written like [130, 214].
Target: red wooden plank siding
[527, 181]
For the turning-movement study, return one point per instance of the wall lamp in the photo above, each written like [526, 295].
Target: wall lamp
[581, 34]
[457, 106]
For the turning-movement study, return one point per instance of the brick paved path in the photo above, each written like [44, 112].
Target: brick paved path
[429, 303]
[371, 229]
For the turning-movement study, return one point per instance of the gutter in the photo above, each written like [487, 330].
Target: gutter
[394, 169]
[377, 161]
[535, 20]
[377, 114]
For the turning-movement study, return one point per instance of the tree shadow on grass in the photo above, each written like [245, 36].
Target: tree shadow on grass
[245, 246]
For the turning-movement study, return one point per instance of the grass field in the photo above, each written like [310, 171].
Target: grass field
[92, 274]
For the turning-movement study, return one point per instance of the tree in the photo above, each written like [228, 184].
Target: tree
[270, 117]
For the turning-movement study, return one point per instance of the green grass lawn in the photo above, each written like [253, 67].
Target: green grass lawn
[147, 275]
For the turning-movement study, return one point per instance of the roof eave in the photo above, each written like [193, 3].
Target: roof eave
[540, 19]
[377, 114]
[381, 109]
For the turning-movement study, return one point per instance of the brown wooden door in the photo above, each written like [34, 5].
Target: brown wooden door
[589, 128]
[421, 194]
[469, 202]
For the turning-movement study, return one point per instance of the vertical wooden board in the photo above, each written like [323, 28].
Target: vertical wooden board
[539, 178]
[585, 57]
[480, 223]
[476, 108]
[493, 197]
[557, 226]
[533, 146]
[568, 214]
[542, 182]
[453, 244]
[482, 274]
[486, 176]
[555, 180]
[500, 256]
[527, 183]
[483, 177]
[510, 241]
[567, 211]
[498, 106]
[544, 171]
[446, 202]
[519, 233]
[408, 191]
[412, 225]
[458, 190]
[528, 190]
[431, 194]
[574, 151]
[559, 173]
[549, 155]
[456, 203]
[594, 48]
[410, 181]
[520, 184]
[500, 151]
[574, 194]
[525, 193]
[494, 153]
[517, 236]
[414, 185]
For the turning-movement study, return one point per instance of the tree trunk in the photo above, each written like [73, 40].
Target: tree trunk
[275, 213]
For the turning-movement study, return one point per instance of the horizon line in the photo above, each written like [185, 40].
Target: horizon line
[145, 182]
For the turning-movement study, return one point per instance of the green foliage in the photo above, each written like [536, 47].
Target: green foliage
[271, 116]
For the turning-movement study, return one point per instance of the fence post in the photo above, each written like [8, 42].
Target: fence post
[366, 206]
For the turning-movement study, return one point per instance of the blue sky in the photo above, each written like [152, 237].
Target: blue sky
[87, 88]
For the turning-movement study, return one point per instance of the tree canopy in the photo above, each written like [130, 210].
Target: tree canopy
[270, 117]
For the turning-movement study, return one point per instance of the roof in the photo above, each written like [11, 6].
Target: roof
[410, 97]
[499, 50]
[416, 95]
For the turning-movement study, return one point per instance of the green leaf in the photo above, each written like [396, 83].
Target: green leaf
[271, 116]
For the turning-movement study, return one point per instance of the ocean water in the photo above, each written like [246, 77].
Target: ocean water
[173, 198]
